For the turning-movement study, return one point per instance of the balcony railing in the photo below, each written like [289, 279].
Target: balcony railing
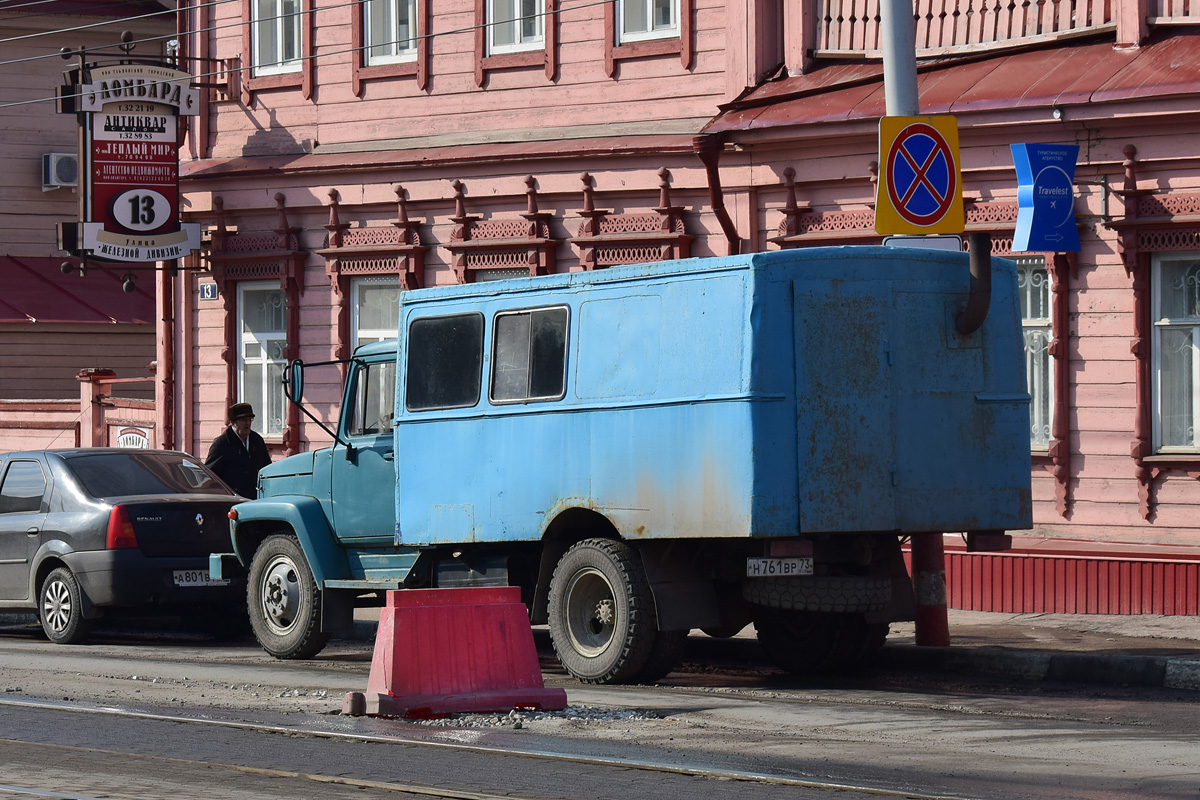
[1174, 12]
[850, 28]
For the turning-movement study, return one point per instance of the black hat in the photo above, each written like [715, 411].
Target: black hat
[239, 410]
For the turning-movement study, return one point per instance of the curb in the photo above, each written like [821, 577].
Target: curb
[1152, 671]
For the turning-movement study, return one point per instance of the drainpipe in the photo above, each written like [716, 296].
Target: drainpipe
[708, 147]
[975, 311]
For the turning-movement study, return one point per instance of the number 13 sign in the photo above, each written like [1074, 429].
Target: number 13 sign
[132, 143]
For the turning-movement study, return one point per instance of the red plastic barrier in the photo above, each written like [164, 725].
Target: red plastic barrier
[442, 651]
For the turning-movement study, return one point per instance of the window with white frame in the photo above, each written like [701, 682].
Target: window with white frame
[375, 310]
[389, 31]
[639, 20]
[276, 41]
[1033, 282]
[1175, 312]
[515, 25]
[262, 337]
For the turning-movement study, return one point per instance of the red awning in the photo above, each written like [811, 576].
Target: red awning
[1062, 75]
[36, 290]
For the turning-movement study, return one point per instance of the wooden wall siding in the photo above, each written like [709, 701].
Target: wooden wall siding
[851, 27]
[41, 361]
[282, 121]
[1033, 584]
[26, 425]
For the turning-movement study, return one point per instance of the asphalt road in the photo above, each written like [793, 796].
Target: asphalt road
[169, 715]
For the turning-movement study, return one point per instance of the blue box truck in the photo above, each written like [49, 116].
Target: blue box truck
[652, 449]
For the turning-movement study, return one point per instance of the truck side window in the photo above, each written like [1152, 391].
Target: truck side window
[529, 354]
[445, 361]
[374, 399]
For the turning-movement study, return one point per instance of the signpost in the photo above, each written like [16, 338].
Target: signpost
[129, 154]
[1045, 198]
[920, 188]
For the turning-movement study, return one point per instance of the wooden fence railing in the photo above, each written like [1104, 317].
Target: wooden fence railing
[851, 27]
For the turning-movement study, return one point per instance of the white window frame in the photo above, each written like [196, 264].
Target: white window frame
[1159, 325]
[271, 15]
[524, 42]
[652, 32]
[384, 35]
[267, 421]
[1034, 281]
[356, 332]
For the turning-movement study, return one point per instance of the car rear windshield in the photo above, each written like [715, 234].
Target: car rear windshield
[122, 474]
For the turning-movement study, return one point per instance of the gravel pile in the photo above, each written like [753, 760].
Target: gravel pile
[517, 719]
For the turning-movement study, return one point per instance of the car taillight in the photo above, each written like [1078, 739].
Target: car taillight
[120, 530]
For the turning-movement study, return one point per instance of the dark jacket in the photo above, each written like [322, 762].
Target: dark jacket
[234, 464]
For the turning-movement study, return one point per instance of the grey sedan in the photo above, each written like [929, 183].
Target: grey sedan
[91, 532]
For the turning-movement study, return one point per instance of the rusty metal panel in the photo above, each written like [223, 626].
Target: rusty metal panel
[1171, 66]
[1058, 74]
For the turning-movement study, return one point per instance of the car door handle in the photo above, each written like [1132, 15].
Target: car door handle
[32, 531]
[388, 455]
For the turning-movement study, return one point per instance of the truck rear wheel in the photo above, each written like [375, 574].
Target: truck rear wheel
[802, 642]
[601, 612]
[283, 600]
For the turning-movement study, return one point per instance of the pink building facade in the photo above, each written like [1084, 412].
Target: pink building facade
[349, 152]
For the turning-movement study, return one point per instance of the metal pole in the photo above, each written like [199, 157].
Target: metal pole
[899, 31]
[900, 94]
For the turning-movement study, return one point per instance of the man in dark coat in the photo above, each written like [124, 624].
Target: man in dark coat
[239, 453]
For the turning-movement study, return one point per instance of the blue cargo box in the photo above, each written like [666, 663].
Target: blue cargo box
[822, 390]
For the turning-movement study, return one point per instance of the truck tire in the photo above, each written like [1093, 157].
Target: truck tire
[602, 620]
[801, 642]
[833, 594]
[283, 601]
[664, 656]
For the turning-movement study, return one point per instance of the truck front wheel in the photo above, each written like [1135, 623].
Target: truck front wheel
[601, 612]
[283, 600]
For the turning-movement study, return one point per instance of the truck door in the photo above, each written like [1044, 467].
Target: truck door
[363, 494]
[22, 512]
[844, 407]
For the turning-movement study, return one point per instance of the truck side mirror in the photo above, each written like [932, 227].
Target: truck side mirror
[293, 380]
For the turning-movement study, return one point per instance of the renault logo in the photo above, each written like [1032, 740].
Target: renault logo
[199, 520]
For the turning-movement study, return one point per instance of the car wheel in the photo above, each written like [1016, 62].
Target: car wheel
[601, 612]
[60, 608]
[283, 601]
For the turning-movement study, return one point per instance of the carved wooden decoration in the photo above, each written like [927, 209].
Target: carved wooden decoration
[606, 239]
[803, 227]
[394, 250]
[1153, 222]
[477, 244]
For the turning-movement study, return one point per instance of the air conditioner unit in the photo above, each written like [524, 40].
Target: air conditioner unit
[58, 170]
